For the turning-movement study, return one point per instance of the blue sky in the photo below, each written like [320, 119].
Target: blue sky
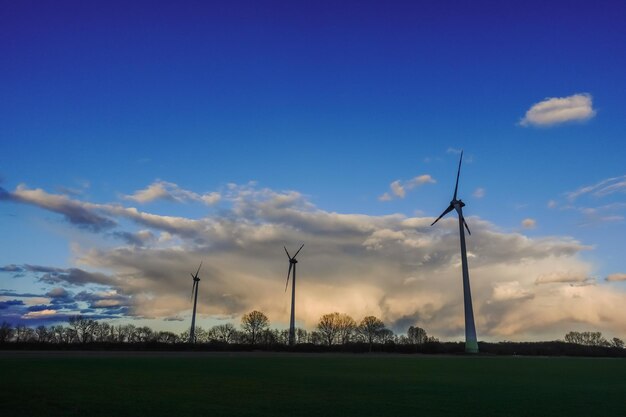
[324, 106]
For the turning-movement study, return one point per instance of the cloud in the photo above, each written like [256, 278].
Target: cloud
[616, 277]
[385, 197]
[397, 189]
[400, 188]
[561, 276]
[75, 276]
[529, 223]
[74, 211]
[57, 292]
[10, 303]
[454, 151]
[139, 238]
[508, 291]
[600, 189]
[557, 110]
[552, 204]
[163, 190]
[479, 193]
[39, 313]
[395, 267]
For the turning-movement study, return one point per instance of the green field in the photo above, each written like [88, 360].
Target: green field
[314, 385]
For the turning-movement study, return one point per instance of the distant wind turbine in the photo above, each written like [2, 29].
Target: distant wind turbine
[194, 294]
[471, 344]
[292, 321]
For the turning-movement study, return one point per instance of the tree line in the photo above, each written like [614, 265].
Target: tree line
[332, 329]
[333, 332]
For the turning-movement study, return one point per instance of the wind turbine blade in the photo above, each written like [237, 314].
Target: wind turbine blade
[466, 226]
[448, 210]
[198, 269]
[288, 275]
[298, 250]
[456, 187]
[289, 256]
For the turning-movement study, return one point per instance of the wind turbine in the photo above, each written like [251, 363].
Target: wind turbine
[471, 344]
[292, 321]
[194, 294]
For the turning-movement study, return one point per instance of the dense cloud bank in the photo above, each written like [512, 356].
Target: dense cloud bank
[394, 267]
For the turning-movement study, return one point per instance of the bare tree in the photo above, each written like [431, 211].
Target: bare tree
[42, 333]
[586, 338]
[386, 336]
[302, 336]
[328, 327]
[370, 328]
[222, 332]
[83, 327]
[416, 335]
[167, 337]
[254, 323]
[102, 332]
[6, 332]
[616, 342]
[346, 326]
[20, 333]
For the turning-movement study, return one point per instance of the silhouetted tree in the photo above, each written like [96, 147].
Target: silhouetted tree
[253, 324]
[346, 326]
[302, 336]
[20, 333]
[102, 332]
[586, 338]
[316, 338]
[617, 343]
[370, 328]
[6, 332]
[386, 336]
[83, 327]
[416, 335]
[167, 337]
[222, 332]
[42, 334]
[328, 327]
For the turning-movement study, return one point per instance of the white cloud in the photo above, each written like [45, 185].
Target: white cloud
[616, 277]
[512, 290]
[479, 193]
[163, 190]
[454, 151]
[529, 223]
[397, 189]
[600, 189]
[552, 204]
[556, 110]
[400, 188]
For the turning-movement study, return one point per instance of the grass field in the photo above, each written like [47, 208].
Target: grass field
[310, 385]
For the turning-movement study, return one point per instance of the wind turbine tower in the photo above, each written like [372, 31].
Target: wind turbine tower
[292, 321]
[194, 294]
[471, 343]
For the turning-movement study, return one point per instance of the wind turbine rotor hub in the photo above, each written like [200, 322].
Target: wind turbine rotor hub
[293, 261]
[457, 203]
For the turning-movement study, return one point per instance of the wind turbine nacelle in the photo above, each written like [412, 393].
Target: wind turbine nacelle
[459, 202]
[293, 261]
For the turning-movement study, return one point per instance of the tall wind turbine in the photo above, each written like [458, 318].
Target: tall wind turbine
[292, 321]
[471, 344]
[194, 294]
